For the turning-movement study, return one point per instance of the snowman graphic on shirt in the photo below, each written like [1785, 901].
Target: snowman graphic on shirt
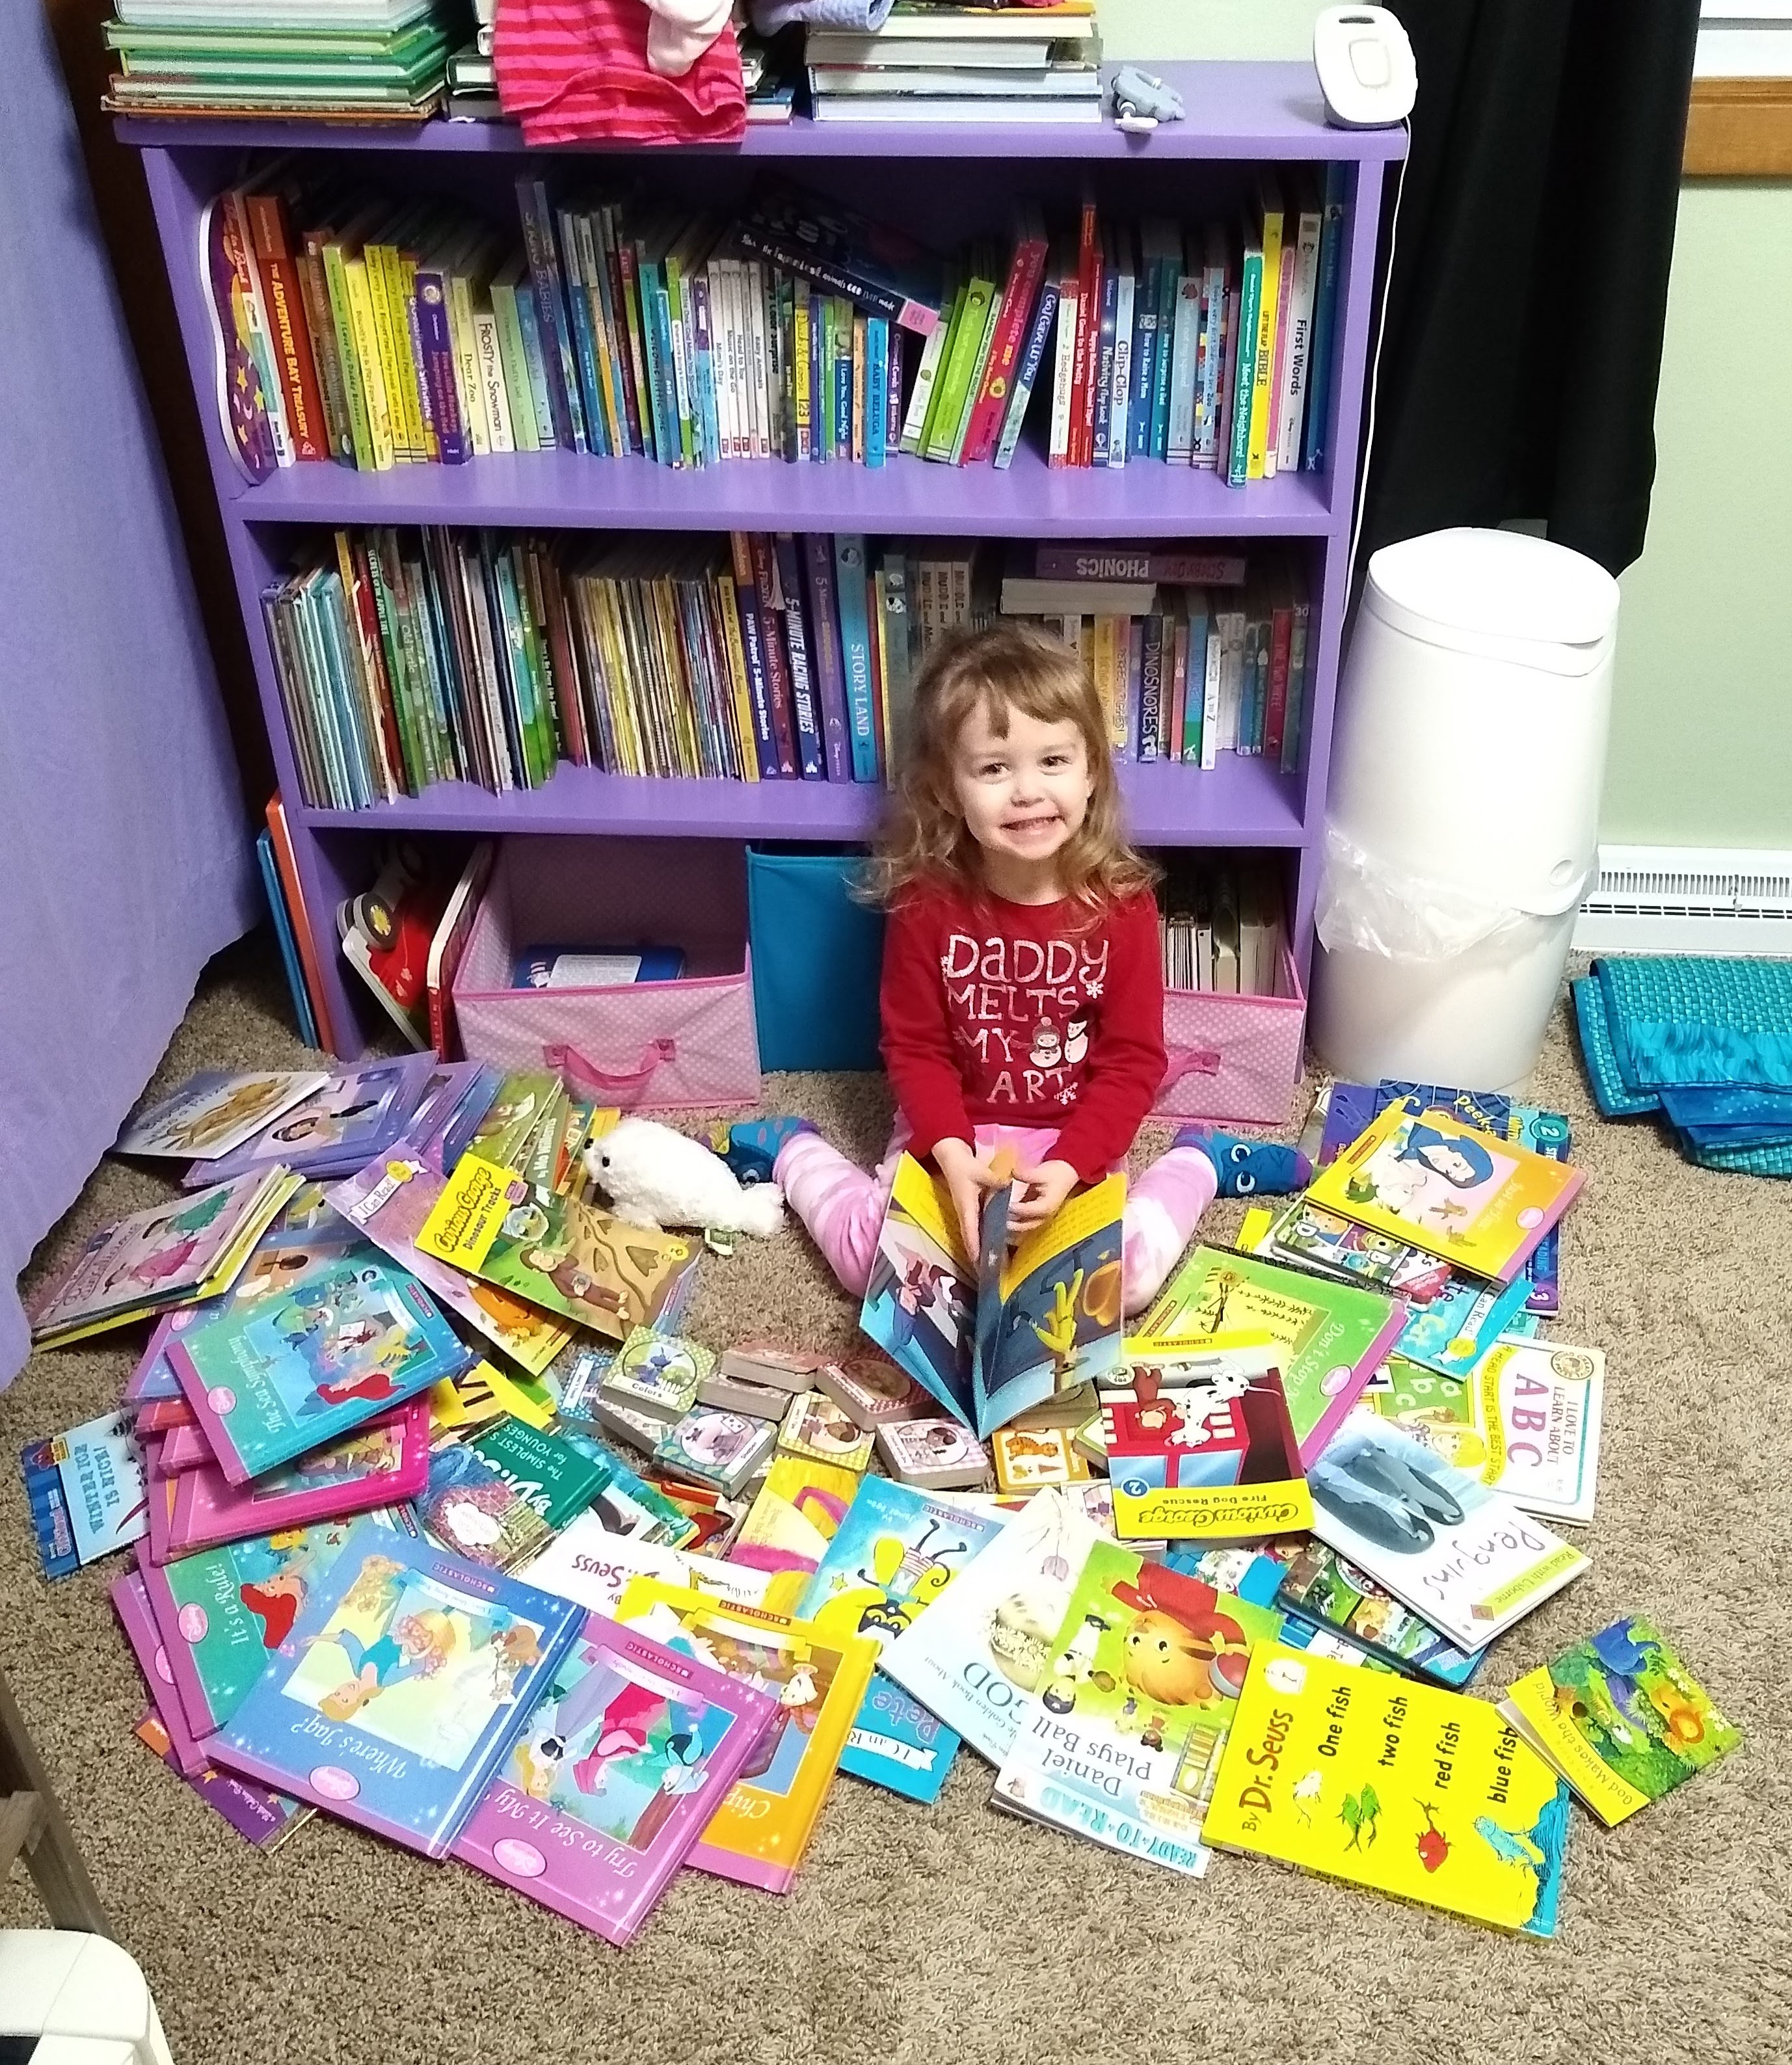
[1076, 1041]
[1047, 1050]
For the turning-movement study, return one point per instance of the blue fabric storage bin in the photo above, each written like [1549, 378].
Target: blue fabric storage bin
[817, 955]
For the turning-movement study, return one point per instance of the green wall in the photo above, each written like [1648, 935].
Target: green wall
[1701, 721]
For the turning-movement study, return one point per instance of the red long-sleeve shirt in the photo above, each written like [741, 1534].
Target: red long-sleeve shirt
[1023, 1014]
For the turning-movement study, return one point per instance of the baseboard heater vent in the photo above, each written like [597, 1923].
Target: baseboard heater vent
[1668, 899]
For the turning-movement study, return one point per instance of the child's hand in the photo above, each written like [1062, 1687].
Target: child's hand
[969, 1174]
[1038, 1194]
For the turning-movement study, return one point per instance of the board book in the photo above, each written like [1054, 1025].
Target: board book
[1621, 1718]
[896, 1551]
[401, 1685]
[1459, 1553]
[978, 1652]
[1041, 1317]
[269, 1381]
[1405, 1788]
[554, 1251]
[1321, 1590]
[1216, 1462]
[761, 1831]
[617, 1770]
[1335, 1336]
[1138, 1692]
[218, 1110]
[1441, 1184]
[86, 1492]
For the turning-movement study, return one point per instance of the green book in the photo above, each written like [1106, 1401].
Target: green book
[1250, 300]
[992, 322]
[551, 1474]
[932, 376]
[952, 391]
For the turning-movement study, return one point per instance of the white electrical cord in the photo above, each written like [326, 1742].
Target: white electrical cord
[1367, 446]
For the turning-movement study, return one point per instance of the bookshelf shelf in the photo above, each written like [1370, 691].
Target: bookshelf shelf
[959, 179]
[534, 490]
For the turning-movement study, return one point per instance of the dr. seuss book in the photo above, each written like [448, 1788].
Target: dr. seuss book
[616, 1773]
[558, 1479]
[592, 1567]
[271, 1380]
[356, 1114]
[1621, 1718]
[86, 1492]
[1461, 1555]
[1403, 1787]
[1335, 1336]
[390, 1201]
[220, 1613]
[896, 1551]
[1320, 1588]
[1431, 1179]
[1041, 1317]
[216, 1111]
[1218, 1462]
[554, 1251]
[1136, 1696]
[260, 1815]
[468, 1508]
[978, 1652]
[1525, 1419]
[377, 1464]
[165, 1255]
[396, 1693]
[760, 1831]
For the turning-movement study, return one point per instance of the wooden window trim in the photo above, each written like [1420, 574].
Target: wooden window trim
[1739, 129]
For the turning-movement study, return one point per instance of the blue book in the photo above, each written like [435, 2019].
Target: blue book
[811, 760]
[1325, 320]
[85, 1489]
[1237, 457]
[557, 354]
[830, 671]
[529, 323]
[1147, 325]
[820, 394]
[1104, 361]
[583, 337]
[401, 1687]
[877, 390]
[894, 1553]
[1169, 299]
[1033, 356]
[275, 1377]
[330, 623]
[283, 932]
[666, 398]
[853, 596]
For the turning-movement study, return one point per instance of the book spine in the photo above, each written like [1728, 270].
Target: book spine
[252, 298]
[467, 383]
[1238, 470]
[752, 615]
[594, 268]
[1325, 326]
[843, 383]
[803, 386]
[1216, 303]
[1145, 334]
[709, 404]
[491, 382]
[536, 389]
[759, 363]
[1300, 344]
[1275, 710]
[291, 335]
[920, 402]
[953, 397]
[894, 631]
[407, 444]
[675, 336]
[1119, 422]
[898, 354]
[431, 303]
[1262, 397]
[1102, 372]
[1181, 432]
[1026, 373]
[326, 350]
[770, 598]
[1020, 296]
[877, 391]
[871, 295]
[1087, 337]
[1299, 656]
[1278, 374]
[584, 352]
[853, 594]
[1064, 378]
[986, 345]
[518, 385]
[1188, 744]
[627, 260]
[734, 638]
[610, 245]
[410, 344]
[561, 374]
[811, 763]
[825, 619]
[366, 351]
[1151, 686]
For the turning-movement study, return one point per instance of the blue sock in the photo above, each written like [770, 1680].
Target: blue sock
[753, 1146]
[1249, 1168]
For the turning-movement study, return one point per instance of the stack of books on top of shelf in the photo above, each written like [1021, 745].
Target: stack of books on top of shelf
[949, 64]
[363, 60]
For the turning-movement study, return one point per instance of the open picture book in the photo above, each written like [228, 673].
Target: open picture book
[1026, 1322]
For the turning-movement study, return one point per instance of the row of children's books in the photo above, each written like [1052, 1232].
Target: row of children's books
[1222, 925]
[1232, 1574]
[406, 657]
[381, 333]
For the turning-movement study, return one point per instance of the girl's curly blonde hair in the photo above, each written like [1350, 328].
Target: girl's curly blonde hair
[1009, 666]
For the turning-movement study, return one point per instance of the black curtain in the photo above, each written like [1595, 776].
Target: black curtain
[1530, 279]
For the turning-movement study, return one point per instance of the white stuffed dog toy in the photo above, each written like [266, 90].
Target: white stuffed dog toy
[655, 1177]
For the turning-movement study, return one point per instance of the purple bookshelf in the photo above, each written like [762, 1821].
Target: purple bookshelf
[958, 181]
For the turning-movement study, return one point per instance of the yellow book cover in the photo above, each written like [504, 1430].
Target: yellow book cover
[728, 608]
[469, 388]
[367, 355]
[761, 1830]
[1262, 395]
[1406, 1788]
[1436, 1182]
[392, 333]
[481, 1393]
[1214, 1461]
[1621, 1718]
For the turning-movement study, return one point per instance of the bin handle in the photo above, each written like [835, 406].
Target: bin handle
[623, 1083]
[1189, 1061]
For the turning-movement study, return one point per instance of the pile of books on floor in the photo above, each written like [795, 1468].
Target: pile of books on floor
[359, 60]
[406, 657]
[1232, 1574]
[947, 63]
[382, 332]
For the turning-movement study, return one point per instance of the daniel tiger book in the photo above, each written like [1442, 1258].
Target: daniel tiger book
[1406, 1788]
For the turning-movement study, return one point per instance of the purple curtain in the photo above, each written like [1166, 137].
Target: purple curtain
[125, 862]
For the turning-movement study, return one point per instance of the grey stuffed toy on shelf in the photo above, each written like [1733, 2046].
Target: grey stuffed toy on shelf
[864, 16]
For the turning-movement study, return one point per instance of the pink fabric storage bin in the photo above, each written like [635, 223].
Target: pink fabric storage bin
[648, 1046]
[1233, 1057]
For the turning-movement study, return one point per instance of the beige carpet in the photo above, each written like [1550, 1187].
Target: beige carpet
[953, 1933]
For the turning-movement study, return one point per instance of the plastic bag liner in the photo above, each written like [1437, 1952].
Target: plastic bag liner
[1365, 903]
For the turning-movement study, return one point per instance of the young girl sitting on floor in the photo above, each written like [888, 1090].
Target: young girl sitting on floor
[1023, 994]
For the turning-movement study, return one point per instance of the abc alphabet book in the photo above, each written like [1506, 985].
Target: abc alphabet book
[1136, 1695]
[1406, 1788]
[897, 1550]
[615, 1774]
[395, 1694]
[1435, 1180]
[270, 1380]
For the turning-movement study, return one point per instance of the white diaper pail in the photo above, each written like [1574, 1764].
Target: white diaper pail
[1462, 823]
